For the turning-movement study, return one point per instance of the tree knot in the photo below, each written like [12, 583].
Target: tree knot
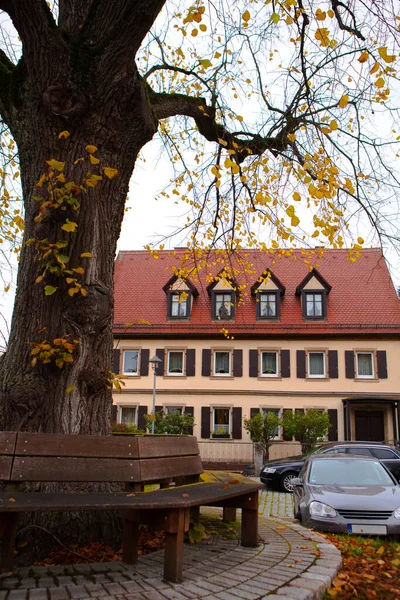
[65, 101]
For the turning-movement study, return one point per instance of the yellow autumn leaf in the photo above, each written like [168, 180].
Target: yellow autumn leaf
[290, 211]
[69, 226]
[360, 240]
[205, 63]
[343, 102]
[296, 196]
[363, 57]
[295, 221]
[110, 172]
[275, 18]
[374, 68]
[322, 35]
[69, 389]
[380, 82]
[320, 15]
[246, 16]
[63, 134]
[94, 160]
[57, 165]
[49, 290]
[79, 270]
[86, 255]
[388, 58]
[194, 32]
[91, 149]
[333, 125]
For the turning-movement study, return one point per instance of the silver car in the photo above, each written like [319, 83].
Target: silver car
[352, 494]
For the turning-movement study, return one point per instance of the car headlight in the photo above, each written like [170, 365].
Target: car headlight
[319, 509]
[396, 513]
[269, 470]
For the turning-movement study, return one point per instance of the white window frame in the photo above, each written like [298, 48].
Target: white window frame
[229, 409]
[168, 408]
[277, 363]
[120, 409]
[309, 352]
[169, 373]
[130, 373]
[277, 409]
[372, 354]
[229, 374]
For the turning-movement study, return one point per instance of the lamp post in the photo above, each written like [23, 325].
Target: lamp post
[154, 361]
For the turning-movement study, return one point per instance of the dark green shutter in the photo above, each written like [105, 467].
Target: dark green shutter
[144, 362]
[206, 363]
[238, 363]
[349, 362]
[160, 353]
[190, 362]
[285, 363]
[141, 422]
[253, 363]
[205, 422]
[237, 423]
[301, 363]
[333, 429]
[382, 364]
[333, 371]
[116, 360]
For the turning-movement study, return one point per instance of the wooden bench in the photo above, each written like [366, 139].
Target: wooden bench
[172, 462]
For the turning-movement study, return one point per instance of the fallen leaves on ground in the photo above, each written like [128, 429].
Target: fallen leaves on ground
[149, 541]
[370, 571]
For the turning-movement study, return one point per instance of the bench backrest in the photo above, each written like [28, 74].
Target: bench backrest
[45, 457]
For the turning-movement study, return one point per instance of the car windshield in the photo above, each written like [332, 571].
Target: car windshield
[348, 472]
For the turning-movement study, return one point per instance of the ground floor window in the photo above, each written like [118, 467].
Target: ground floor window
[173, 409]
[277, 412]
[221, 422]
[127, 415]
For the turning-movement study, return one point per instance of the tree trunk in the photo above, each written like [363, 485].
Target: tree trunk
[54, 92]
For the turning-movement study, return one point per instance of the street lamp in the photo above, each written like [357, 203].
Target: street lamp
[154, 361]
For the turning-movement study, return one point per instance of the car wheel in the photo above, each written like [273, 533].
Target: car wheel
[286, 479]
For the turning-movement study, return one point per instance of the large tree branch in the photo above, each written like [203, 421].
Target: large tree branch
[32, 19]
[244, 144]
[72, 14]
[6, 70]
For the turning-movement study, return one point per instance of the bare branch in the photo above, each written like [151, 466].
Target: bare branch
[335, 7]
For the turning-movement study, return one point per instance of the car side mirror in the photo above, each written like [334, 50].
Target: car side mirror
[296, 481]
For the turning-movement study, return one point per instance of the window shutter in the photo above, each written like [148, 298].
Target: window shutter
[142, 410]
[333, 429]
[190, 362]
[301, 363]
[114, 413]
[116, 359]
[254, 412]
[205, 422]
[189, 410]
[144, 362]
[333, 371]
[253, 363]
[285, 436]
[160, 367]
[285, 363]
[238, 364]
[206, 364]
[237, 422]
[382, 364]
[349, 362]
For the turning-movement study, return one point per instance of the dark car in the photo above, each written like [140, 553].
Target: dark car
[277, 474]
[347, 494]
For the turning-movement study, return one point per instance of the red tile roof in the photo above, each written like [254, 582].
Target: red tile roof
[362, 300]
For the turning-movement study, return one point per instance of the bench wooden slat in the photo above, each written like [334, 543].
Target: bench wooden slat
[75, 469]
[5, 467]
[154, 447]
[38, 444]
[154, 469]
[202, 494]
[7, 442]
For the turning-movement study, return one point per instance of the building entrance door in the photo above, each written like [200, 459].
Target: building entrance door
[369, 425]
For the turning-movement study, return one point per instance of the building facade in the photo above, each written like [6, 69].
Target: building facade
[270, 332]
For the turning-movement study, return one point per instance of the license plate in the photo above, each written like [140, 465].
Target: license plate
[371, 529]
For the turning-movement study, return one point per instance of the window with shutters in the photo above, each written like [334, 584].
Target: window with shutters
[175, 362]
[269, 366]
[127, 415]
[316, 364]
[173, 409]
[222, 360]
[221, 422]
[277, 412]
[130, 362]
[365, 365]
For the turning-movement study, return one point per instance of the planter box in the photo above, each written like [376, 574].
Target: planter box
[219, 436]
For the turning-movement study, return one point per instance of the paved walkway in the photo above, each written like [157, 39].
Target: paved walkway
[291, 563]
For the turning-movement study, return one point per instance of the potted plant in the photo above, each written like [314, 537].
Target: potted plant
[221, 433]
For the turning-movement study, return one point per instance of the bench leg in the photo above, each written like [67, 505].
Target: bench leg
[229, 514]
[195, 514]
[177, 522]
[8, 528]
[130, 542]
[249, 533]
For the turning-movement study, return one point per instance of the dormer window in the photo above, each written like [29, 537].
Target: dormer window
[268, 292]
[223, 305]
[179, 304]
[313, 292]
[268, 305]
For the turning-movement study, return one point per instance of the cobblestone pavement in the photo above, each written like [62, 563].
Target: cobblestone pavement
[291, 563]
[276, 504]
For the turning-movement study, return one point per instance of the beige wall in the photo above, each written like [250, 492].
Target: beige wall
[249, 392]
